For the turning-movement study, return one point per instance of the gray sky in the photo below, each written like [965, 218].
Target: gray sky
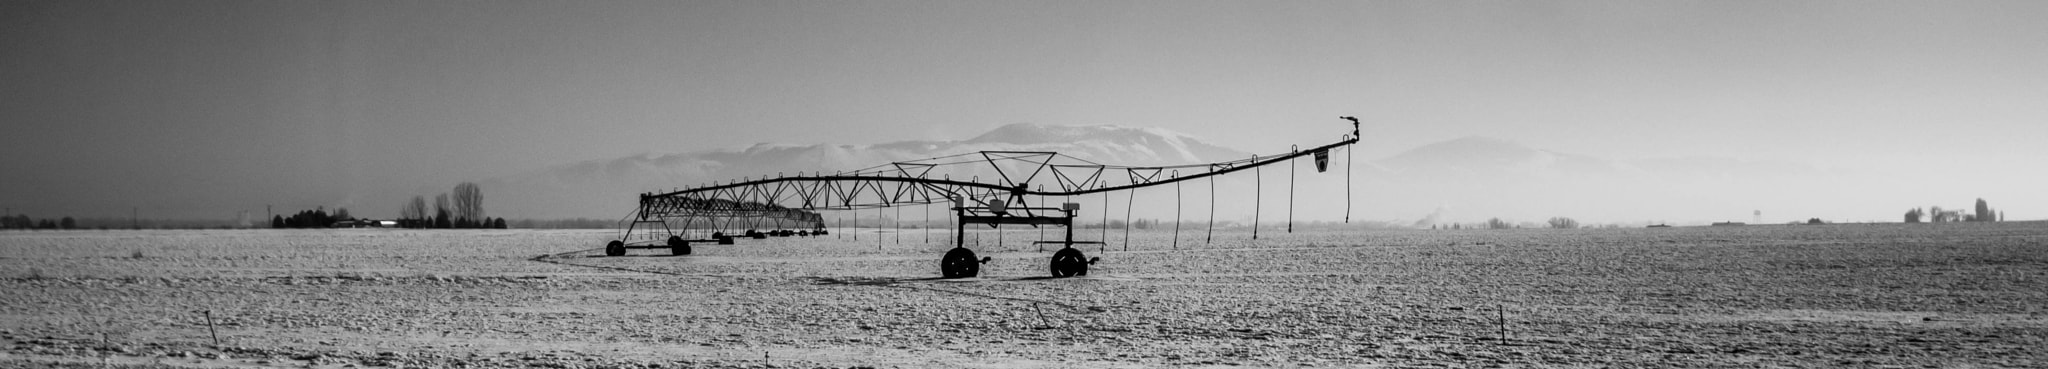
[204, 108]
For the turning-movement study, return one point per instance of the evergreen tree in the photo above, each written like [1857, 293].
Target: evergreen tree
[1984, 212]
[442, 211]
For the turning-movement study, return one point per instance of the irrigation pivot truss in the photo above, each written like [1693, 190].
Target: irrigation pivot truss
[985, 187]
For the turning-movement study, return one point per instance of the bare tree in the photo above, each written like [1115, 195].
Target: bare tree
[1496, 223]
[414, 213]
[469, 204]
[1563, 223]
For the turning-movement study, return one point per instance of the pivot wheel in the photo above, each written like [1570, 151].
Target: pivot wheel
[616, 248]
[677, 246]
[1069, 262]
[959, 263]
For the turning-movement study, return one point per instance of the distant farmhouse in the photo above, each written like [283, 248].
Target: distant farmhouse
[366, 223]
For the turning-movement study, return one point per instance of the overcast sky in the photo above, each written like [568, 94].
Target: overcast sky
[204, 108]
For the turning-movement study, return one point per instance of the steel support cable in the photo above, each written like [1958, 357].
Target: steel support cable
[1231, 166]
[629, 226]
[918, 162]
[1075, 158]
[950, 163]
[730, 210]
[721, 215]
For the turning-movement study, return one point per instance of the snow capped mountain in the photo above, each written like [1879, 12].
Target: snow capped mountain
[1461, 180]
[1485, 177]
[1112, 144]
[599, 188]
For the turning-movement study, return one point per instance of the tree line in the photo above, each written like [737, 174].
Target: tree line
[22, 221]
[316, 218]
[462, 207]
[1498, 223]
[1982, 213]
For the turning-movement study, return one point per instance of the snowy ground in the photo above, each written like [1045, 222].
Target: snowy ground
[1946, 295]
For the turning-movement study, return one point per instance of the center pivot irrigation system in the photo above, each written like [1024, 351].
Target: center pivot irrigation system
[789, 205]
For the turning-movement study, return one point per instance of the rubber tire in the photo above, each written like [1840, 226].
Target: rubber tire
[959, 263]
[677, 246]
[1069, 262]
[615, 248]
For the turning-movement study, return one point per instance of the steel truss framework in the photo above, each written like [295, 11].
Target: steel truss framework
[793, 201]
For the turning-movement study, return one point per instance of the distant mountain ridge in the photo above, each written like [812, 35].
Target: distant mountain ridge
[1450, 180]
[608, 186]
[1476, 178]
[1479, 157]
